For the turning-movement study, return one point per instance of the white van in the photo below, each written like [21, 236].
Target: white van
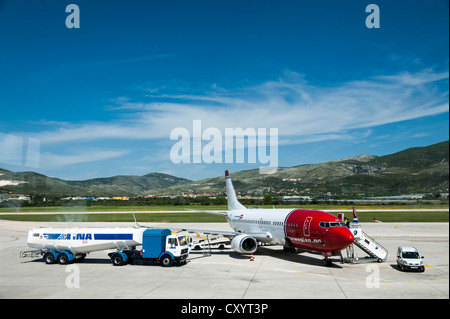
[408, 258]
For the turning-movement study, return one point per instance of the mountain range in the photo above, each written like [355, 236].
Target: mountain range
[414, 170]
[122, 185]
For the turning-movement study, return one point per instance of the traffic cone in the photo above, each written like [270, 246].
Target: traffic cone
[251, 258]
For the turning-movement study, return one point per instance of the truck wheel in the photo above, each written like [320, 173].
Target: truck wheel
[117, 260]
[63, 259]
[49, 258]
[166, 261]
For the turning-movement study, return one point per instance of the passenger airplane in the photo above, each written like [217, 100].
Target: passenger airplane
[292, 228]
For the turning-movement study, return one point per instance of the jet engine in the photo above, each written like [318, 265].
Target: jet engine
[244, 244]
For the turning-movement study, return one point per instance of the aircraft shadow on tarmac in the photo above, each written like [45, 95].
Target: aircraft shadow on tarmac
[299, 258]
[294, 257]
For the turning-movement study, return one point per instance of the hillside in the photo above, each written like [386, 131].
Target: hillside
[34, 183]
[415, 170]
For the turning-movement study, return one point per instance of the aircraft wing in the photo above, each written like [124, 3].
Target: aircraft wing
[228, 234]
[208, 212]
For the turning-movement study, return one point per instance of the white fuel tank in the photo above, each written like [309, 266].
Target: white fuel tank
[84, 240]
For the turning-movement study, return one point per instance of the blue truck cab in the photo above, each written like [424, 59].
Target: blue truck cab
[157, 244]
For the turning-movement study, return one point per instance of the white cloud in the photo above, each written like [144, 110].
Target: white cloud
[50, 160]
[412, 79]
[301, 111]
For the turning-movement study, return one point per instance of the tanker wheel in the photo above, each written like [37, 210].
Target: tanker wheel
[49, 258]
[63, 259]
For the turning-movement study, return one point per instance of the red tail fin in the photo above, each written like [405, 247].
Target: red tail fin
[355, 217]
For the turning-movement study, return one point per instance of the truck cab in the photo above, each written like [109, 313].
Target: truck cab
[408, 258]
[162, 245]
[157, 244]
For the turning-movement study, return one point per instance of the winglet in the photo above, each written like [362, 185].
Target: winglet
[137, 224]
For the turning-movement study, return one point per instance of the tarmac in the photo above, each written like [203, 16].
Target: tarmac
[225, 274]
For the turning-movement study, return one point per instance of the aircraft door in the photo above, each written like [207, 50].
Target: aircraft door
[307, 226]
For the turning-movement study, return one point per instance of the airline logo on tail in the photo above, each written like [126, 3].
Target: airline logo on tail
[355, 217]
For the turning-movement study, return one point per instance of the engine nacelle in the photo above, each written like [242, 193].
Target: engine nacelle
[244, 244]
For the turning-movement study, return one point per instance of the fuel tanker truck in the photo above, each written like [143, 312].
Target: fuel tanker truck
[65, 245]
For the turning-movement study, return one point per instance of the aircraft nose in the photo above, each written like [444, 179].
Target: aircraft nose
[347, 237]
[343, 237]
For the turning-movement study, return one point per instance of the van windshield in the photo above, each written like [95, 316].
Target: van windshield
[410, 254]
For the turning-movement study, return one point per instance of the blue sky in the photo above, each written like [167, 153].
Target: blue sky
[103, 99]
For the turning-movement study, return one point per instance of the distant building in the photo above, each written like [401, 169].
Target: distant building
[20, 198]
[410, 196]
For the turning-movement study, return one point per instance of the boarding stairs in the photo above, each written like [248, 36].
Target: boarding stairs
[367, 244]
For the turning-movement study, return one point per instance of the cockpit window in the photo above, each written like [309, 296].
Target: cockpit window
[339, 224]
[324, 224]
[333, 224]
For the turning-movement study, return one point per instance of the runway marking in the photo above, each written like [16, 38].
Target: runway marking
[418, 231]
[299, 258]
[14, 238]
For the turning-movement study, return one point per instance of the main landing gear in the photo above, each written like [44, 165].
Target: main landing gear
[327, 262]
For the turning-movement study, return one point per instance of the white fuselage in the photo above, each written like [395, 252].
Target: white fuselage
[253, 221]
[84, 240]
